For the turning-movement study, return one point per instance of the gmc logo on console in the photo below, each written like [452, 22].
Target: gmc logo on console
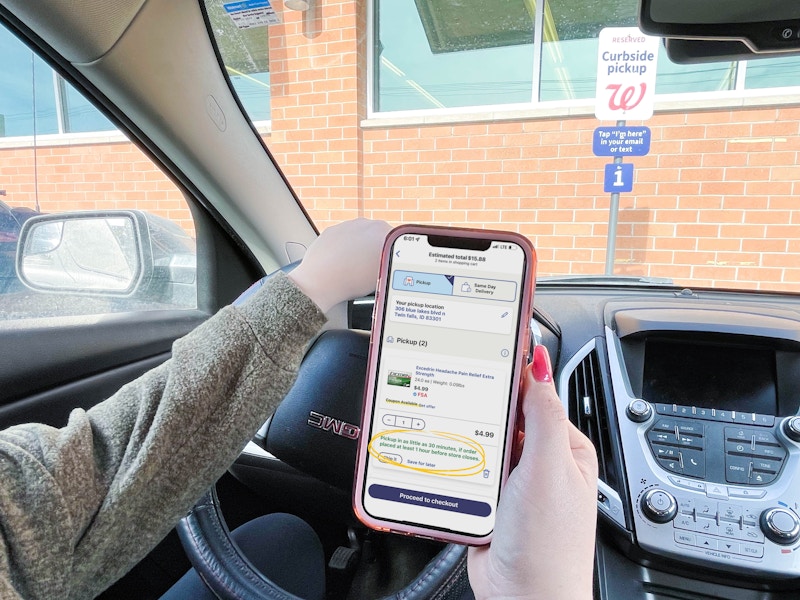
[326, 423]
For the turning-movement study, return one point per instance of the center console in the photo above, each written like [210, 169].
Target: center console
[706, 402]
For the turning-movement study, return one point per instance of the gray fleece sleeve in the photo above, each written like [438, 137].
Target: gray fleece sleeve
[79, 506]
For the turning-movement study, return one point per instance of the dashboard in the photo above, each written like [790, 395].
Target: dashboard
[691, 399]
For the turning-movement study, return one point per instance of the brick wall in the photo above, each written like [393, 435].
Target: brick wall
[714, 202]
[90, 177]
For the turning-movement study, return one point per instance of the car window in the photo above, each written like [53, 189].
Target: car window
[482, 114]
[109, 232]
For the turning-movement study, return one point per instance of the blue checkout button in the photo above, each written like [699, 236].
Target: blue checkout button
[460, 505]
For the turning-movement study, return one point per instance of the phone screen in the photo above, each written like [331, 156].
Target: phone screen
[442, 395]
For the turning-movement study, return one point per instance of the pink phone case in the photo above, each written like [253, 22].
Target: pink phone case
[522, 355]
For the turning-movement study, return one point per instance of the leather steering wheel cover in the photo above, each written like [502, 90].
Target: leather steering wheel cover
[230, 576]
[217, 559]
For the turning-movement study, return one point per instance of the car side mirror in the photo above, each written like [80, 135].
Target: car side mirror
[97, 252]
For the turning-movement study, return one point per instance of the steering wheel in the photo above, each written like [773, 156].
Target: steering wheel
[335, 363]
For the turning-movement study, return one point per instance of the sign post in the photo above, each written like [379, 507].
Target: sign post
[626, 81]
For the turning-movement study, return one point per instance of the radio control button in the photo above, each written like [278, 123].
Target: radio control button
[723, 415]
[765, 464]
[765, 437]
[671, 464]
[668, 425]
[759, 478]
[739, 447]
[791, 427]
[738, 469]
[666, 409]
[691, 428]
[639, 411]
[666, 452]
[738, 433]
[704, 413]
[744, 418]
[765, 420]
[764, 451]
[694, 463]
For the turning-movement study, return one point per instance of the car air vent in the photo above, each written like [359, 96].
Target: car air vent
[587, 403]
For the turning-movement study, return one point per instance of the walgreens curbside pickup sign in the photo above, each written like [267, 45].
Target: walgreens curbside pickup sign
[626, 74]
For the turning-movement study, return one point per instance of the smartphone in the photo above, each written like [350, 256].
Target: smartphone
[450, 337]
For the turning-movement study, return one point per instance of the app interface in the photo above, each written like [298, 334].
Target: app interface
[441, 402]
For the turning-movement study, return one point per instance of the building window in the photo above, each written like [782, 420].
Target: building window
[445, 54]
[440, 54]
[34, 100]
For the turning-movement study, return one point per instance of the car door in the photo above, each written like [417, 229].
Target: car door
[67, 346]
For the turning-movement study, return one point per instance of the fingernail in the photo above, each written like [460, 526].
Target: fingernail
[542, 371]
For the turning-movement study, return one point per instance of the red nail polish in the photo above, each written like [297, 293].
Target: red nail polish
[542, 371]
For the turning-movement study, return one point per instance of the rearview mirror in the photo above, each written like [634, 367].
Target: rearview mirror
[764, 27]
[82, 252]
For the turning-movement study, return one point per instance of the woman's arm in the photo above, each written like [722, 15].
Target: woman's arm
[79, 506]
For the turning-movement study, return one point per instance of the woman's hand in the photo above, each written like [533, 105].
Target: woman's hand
[543, 543]
[342, 263]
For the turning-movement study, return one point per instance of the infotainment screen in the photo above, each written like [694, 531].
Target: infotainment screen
[692, 373]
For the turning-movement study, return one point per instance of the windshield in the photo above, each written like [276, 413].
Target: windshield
[485, 114]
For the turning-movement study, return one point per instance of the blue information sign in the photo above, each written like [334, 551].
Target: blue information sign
[619, 178]
[621, 141]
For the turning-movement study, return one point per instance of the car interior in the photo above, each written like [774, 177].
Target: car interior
[684, 373]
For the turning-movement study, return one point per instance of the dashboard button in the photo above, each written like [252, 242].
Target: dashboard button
[683, 537]
[746, 493]
[740, 448]
[766, 420]
[730, 530]
[703, 413]
[690, 441]
[689, 484]
[691, 429]
[668, 425]
[660, 437]
[738, 433]
[759, 478]
[685, 522]
[666, 452]
[738, 469]
[723, 415]
[706, 509]
[666, 409]
[730, 512]
[686, 506]
[752, 534]
[694, 463]
[745, 418]
[671, 464]
[706, 542]
[752, 550]
[719, 492]
[659, 506]
[764, 451]
[765, 437]
[730, 546]
[765, 464]
[707, 526]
